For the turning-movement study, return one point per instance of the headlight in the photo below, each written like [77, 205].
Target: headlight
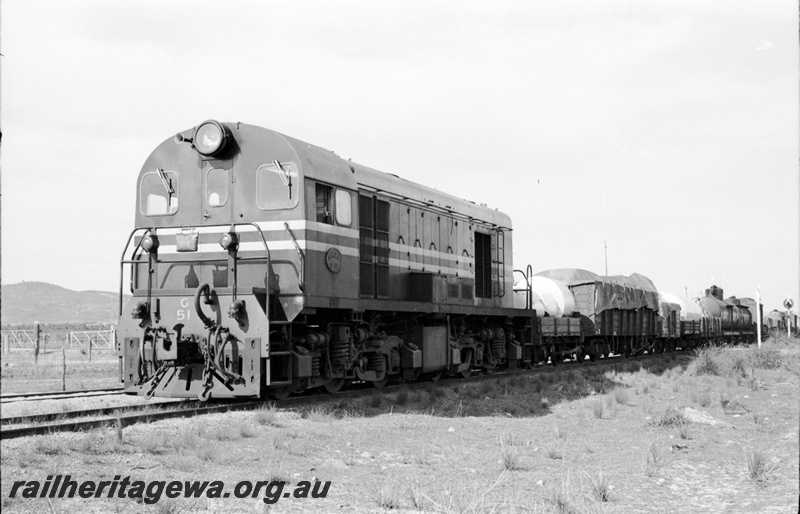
[209, 137]
[149, 243]
[229, 241]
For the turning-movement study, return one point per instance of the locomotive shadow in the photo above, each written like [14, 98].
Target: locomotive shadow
[522, 395]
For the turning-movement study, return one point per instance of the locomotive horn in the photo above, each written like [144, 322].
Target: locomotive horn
[180, 138]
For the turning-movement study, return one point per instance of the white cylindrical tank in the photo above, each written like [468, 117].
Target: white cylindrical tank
[690, 310]
[549, 296]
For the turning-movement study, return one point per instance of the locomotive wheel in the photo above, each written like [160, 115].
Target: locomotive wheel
[334, 386]
[411, 374]
[467, 372]
[379, 384]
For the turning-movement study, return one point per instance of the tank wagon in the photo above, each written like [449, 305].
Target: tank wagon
[264, 265]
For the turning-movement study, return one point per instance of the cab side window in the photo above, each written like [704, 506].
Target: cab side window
[324, 207]
[344, 214]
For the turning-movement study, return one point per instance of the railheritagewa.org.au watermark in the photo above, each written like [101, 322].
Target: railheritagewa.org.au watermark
[63, 486]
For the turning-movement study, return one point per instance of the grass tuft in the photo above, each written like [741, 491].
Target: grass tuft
[597, 409]
[672, 418]
[621, 395]
[387, 496]
[655, 458]
[601, 488]
[706, 361]
[759, 468]
[267, 415]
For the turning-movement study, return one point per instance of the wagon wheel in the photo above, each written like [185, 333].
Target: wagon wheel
[334, 385]
[279, 394]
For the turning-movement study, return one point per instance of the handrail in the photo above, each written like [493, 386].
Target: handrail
[133, 233]
[123, 262]
[301, 271]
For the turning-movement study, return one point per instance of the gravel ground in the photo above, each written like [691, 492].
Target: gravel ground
[570, 443]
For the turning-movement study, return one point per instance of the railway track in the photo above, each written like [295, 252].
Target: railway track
[59, 395]
[129, 415]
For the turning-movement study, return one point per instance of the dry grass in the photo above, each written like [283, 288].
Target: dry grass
[267, 415]
[656, 456]
[601, 487]
[759, 468]
[597, 409]
[706, 361]
[621, 395]
[319, 414]
[388, 496]
[671, 418]
[426, 467]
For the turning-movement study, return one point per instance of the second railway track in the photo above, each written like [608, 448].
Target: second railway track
[59, 395]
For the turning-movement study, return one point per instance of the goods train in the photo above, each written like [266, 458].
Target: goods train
[261, 265]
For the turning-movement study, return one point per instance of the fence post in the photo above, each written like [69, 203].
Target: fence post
[63, 369]
[6, 344]
[90, 347]
[37, 333]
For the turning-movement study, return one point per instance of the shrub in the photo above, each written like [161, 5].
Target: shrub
[739, 366]
[621, 395]
[672, 417]
[706, 361]
[759, 469]
[765, 358]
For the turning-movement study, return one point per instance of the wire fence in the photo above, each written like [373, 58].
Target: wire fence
[67, 339]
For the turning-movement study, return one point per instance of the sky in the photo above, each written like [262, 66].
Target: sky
[666, 130]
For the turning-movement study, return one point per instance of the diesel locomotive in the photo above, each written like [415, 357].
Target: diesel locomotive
[261, 265]
[264, 265]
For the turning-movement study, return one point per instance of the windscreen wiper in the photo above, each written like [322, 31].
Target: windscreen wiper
[165, 181]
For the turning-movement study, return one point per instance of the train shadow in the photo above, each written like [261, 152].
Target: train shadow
[523, 394]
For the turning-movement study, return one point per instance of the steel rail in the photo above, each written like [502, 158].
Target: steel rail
[59, 395]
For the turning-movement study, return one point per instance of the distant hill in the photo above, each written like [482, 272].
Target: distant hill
[27, 302]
